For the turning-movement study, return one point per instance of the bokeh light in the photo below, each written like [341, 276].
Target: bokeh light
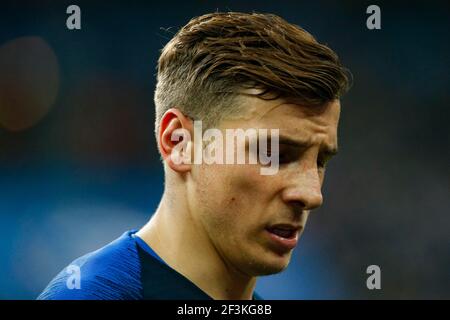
[29, 81]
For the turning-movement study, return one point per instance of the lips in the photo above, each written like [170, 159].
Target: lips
[283, 236]
[284, 232]
[287, 231]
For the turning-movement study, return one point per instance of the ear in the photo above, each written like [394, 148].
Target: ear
[175, 142]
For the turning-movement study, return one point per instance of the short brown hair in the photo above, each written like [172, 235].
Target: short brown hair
[205, 65]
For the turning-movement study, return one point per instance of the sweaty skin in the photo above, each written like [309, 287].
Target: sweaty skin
[211, 224]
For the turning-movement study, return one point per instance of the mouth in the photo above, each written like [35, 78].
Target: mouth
[283, 236]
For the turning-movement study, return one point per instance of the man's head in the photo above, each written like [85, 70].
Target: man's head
[237, 70]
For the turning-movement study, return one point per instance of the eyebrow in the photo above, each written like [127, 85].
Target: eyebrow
[326, 150]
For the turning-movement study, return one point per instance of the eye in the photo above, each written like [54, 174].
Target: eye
[322, 161]
[321, 164]
[284, 157]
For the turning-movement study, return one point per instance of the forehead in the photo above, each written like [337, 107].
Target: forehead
[292, 118]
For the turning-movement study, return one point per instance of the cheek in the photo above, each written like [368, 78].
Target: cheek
[231, 193]
[245, 186]
[247, 197]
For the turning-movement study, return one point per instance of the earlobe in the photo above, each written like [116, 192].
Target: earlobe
[175, 140]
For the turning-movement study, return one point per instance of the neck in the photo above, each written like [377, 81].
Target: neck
[183, 244]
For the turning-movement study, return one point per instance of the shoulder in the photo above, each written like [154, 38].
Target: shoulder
[110, 273]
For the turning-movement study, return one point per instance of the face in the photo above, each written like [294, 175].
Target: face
[253, 220]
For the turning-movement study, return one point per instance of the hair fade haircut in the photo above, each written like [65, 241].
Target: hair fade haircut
[204, 68]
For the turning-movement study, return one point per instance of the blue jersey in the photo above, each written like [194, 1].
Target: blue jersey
[125, 269]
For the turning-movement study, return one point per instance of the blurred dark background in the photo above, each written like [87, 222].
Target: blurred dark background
[79, 165]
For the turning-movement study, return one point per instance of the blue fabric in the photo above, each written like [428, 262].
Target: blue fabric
[126, 269]
[110, 273]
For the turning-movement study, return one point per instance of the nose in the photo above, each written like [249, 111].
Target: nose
[304, 190]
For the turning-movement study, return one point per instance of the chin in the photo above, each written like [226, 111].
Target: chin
[269, 265]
